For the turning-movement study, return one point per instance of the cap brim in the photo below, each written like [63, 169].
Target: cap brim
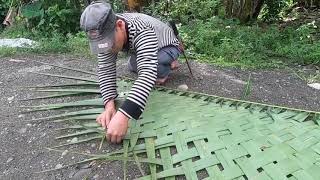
[102, 45]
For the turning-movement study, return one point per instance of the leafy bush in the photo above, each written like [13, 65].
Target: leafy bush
[273, 8]
[79, 43]
[53, 16]
[228, 43]
[187, 10]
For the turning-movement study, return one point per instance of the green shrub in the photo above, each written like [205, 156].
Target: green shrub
[185, 11]
[52, 17]
[229, 44]
[7, 52]
[79, 44]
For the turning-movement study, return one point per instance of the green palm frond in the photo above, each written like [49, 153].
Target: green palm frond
[186, 133]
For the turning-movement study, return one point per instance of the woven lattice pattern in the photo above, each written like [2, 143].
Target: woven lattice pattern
[227, 142]
[184, 134]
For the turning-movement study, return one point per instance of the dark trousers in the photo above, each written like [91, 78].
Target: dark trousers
[166, 56]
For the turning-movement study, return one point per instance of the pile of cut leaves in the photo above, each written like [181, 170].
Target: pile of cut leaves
[193, 135]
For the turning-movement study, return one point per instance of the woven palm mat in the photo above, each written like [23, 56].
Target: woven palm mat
[197, 136]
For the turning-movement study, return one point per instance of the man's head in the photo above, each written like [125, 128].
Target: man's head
[105, 31]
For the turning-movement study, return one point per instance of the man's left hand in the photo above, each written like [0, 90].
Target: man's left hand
[117, 127]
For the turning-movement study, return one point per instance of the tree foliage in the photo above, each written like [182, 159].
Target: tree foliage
[53, 16]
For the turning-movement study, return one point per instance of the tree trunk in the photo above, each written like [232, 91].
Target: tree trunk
[257, 9]
[8, 21]
[244, 10]
[134, 5]
[228, 8]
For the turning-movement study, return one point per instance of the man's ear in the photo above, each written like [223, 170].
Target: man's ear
[120, 24]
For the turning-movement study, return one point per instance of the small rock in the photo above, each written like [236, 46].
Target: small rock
[58, 166]
[183, 87]
[93, 145]
[92, 163]
[315, 85]
[82, 173]
[64, 153]
[10, 159]
[74, 140]
[23, 130]
[95, 176]
[29, 125]
[21, 116]
[72, 174]
[10, 99]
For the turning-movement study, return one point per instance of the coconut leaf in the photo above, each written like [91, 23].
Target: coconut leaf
[86, 91]
[78, 118]
[227, 138]
[80, 133]
[53, 95]
[79, 141]
[94, 111]
[68, 68]
[88, 102]
[64, 85]
[67, 77]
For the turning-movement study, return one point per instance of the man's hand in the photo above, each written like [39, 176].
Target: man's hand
[105, 117]
[117, 128]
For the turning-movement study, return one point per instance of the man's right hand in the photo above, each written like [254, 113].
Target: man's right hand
[104, 118]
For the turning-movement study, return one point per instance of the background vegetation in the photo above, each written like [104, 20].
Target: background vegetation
[246, 34]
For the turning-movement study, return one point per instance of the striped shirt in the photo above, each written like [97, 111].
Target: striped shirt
[146, 35]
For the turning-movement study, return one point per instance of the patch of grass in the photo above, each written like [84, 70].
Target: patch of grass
[309, 78]
[70, 44]
[247, 89]
[17, 31]
[216, 41]
[227, 43]
[7, 52]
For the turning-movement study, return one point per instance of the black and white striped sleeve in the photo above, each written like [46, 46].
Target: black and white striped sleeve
[146, 45]
[107, 76]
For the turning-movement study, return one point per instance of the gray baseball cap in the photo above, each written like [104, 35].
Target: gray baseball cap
[98, 21]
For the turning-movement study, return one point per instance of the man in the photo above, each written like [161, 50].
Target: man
[153, 47]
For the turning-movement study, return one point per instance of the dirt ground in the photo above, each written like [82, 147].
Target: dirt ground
[22, 144]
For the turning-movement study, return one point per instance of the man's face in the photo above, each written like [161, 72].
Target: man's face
[120, 36]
